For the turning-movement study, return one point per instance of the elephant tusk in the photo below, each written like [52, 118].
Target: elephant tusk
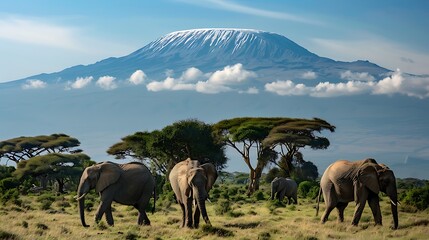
[208, 199]
[78, 198]
[391, 201]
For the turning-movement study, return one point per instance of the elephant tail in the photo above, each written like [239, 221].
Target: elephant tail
[318, 200]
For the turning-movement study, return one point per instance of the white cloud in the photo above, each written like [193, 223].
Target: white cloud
[327, 89]
[309, 75]
[34, 84]
[107, 82]
[410, 85]
[194, 79]
[251, 90]
[287, 88]
[80, 82]
[138, 77]
[169, 84]
[397, 83]
[192, 74]
[211, 88]
[356, 76]
[231, 75]
[37, 32]
[390, 85]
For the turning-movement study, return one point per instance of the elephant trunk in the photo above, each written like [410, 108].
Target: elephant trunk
[394, 208]
[82, 191]
[393, 195]
[201, 198]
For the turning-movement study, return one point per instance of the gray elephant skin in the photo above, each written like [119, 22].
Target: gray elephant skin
[360, 181]
[284, 187]
[191, 183]
[128, 184]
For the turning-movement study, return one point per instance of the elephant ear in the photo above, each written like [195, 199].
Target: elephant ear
[211, 175]
[368, 176]
[109, 174]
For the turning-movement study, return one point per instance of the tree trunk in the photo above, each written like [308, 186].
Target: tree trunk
[60, 185]
[254, 179]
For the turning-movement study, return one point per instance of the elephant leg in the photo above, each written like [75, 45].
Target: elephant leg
[374, 204]
[295, 198]
[104, 205]
[328, 211]
[141, 207]
[109, 216]
[330, 202]
[182, 206]
[188, 208]
[341, 206]
[358, 213]
[196, 217]
[143, 219]
[360, 205]
[282, 195]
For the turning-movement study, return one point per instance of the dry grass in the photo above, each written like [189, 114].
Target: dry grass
[256, 221]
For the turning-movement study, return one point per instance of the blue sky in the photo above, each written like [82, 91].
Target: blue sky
[48, 35]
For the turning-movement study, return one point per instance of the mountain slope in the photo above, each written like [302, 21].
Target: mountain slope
[271, 54]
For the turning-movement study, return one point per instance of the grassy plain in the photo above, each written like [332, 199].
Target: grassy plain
[248, 219]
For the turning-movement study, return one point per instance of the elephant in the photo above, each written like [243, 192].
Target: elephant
[281, 187]
[128, 184]
[360, 181]
[191, 183]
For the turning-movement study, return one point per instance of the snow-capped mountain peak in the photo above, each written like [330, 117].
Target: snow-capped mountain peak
[223, 43]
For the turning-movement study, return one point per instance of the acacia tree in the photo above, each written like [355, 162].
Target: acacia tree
[23, 148]
[58, 167]
[244, 135]
[248, 134]
[295, 135]
[174, 143]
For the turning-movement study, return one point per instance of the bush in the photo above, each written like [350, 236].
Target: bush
[417, 197]
[11, 195]
[308, 189]
[273, 205]
[223, 206]
[259, 195]
[7, 235]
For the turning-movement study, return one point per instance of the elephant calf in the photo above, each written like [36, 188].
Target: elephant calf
[284, 187]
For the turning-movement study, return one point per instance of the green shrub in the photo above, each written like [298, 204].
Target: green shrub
[223, 206]
[259, 195]
[11, 195]
[9, 183]
[7, 235]
[308, 189]
[273, 205]
[46, 204]
[417, 197]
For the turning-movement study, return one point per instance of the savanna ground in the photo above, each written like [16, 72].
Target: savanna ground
[35, 217]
